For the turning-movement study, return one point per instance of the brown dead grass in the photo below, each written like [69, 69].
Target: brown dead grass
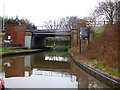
[105, 48]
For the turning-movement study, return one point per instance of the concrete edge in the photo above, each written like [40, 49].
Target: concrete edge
[101, 77]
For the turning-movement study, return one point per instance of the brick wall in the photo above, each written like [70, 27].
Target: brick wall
[17, 32]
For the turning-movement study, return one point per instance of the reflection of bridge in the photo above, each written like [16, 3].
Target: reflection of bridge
[52, 65]
[21, 64]
[53, 72]
[38, 61]
[37, 38]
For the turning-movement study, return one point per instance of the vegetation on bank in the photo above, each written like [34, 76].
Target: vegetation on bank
[95, 63]
[4, 50]
[111, 71]
[96, 31]
[103, 49]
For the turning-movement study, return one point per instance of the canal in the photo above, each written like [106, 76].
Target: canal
[51, 69]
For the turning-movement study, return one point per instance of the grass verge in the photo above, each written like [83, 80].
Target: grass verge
[99, 65]
[3, 50]
[95, 63]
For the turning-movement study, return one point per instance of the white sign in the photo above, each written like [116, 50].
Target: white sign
[9, 37]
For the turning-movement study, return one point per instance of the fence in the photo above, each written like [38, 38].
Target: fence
[98, 23]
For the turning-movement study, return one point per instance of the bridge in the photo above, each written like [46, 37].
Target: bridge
[37, 38]
[51, 33]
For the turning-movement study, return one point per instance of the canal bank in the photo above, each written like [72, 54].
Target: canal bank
[102, 76]
[25, 52]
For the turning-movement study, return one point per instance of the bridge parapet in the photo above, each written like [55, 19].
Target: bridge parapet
[49, 30]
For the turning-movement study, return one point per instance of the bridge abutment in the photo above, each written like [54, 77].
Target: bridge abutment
[73, 38]
[28, 41]
[34, 42]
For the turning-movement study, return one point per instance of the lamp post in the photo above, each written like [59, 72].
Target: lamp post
[3, 14]
[119, 12]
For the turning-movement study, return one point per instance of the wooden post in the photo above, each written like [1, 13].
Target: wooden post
[80, 47]
[81, 24]
[78, 35]
[119, 36]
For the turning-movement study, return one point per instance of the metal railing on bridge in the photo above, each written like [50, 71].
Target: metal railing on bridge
[57, 29]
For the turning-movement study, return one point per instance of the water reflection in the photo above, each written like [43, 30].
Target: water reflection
[46, 70]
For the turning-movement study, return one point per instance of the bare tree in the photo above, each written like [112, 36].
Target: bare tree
[46, 24]
[108, 9]
[91, 21]
[63, 23]
[73, 20]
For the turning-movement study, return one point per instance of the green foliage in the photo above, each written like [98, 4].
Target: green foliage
[96, 31]
[18, 21]
[106, 68]
[4, 50]
[59, 54]
[52, 41]
[99, 29]
[12, 21]
[58, 38]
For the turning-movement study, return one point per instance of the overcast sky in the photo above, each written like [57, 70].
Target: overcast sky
[38, 11]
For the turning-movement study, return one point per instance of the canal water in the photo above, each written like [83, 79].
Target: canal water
[49, 69]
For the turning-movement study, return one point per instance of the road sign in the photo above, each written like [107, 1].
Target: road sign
[84, 33]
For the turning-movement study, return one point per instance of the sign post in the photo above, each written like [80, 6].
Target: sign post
[80, 47]
[84, 33]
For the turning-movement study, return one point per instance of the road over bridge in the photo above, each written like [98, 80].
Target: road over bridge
[50, 33]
